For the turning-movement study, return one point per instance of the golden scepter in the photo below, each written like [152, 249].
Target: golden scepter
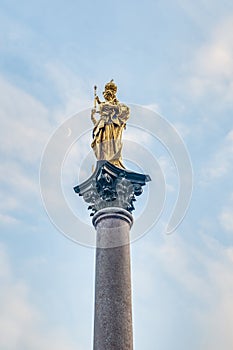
[96, 99]
[95, 96]
[93, 111]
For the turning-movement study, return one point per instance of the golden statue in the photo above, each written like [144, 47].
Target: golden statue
[107, 132]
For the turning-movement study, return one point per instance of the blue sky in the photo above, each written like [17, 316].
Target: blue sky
[174, 56]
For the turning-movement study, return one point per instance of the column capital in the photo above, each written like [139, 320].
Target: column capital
[110, 186]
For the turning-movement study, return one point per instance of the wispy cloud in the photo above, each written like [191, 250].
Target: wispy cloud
[25, 129]
[74, 93]
[21, 323]
[226, 216]
[203, 275]
[8, 219]
[26, 125]
[220, 164]
[182, 128]
[217, 318]
[212, 67]
[154, 107]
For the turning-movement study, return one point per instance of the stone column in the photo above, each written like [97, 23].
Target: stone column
[110, 193]
[113, 309]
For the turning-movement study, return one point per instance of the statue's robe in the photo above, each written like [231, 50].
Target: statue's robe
[107, 133]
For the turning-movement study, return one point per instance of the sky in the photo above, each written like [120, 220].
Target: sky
[174, 57]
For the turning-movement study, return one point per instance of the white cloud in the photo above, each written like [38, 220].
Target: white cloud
[203, 13]
[226, 216]
[74, 92]
[226, 219]
[211, 71]
[19, 189]
[8, 219]
[217, 319]
[220, 164]
[5, 271]
[26, 125]
[203, 275]
[154, 107]
[17, 177]
[182, 129]
[176, 258]
[21, 324]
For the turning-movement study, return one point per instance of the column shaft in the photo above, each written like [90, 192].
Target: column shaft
[113, 309]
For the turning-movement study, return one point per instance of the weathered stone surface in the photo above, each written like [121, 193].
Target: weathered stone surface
[113, 309]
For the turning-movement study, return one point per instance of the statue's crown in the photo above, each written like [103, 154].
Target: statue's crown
[111, 86]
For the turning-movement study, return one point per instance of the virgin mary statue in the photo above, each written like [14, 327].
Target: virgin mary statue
[107, 132]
